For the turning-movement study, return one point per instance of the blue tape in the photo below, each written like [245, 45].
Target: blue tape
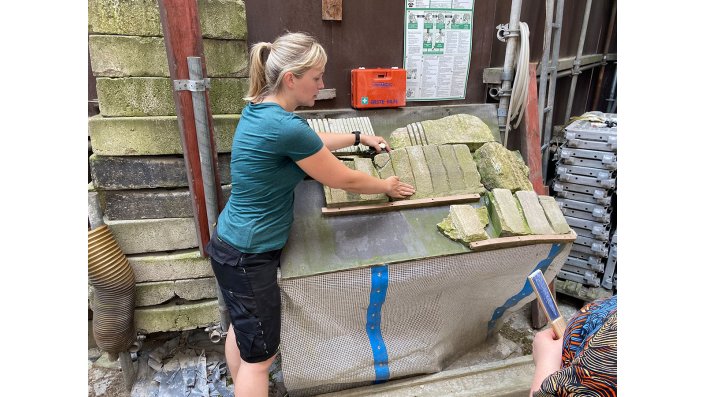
[380, 280]
[527, 290]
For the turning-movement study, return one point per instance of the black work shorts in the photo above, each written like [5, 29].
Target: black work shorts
[248, 283]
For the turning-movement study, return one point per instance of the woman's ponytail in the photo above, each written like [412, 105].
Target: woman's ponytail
[258, 80]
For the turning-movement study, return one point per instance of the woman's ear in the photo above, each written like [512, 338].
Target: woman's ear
[288, 79]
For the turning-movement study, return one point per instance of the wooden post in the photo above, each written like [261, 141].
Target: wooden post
[183, 38]
[530, 136]
[332, 10]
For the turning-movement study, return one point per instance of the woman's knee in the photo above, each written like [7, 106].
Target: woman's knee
[262, 366]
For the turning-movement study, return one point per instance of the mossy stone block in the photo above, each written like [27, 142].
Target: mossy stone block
[506, 217]
[177, 265]
[501, 168]
[422, 175]
[365, 165]
[153, 293]
[176, 317]
[383, 165]
[439, 177]
[399, 139]
[471, 175]
[463, 129]
[456, 181]
[197, 289]
[554, 214]
[533, 212]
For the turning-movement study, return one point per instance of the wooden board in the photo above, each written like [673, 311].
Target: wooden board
[518, 241]
[400, 205]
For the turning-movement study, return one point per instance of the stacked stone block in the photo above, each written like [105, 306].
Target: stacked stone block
[138, 167]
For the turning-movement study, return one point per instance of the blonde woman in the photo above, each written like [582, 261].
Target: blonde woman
[273, 149]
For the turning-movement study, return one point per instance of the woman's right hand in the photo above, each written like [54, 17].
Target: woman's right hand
[397, 188]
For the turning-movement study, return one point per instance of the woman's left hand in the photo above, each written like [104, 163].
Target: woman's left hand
[375, 142]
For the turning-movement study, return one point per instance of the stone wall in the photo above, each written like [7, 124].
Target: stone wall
[137, 168]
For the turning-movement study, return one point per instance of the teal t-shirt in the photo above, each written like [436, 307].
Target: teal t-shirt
[268, 141]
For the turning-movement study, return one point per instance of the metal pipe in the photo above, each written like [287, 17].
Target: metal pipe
[610, 29]
[576, 63]
[547, 33]
[548, 126]
[613, 92]
[509, 60]
[200, 114]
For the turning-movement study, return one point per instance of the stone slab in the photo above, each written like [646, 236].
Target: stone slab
[202, 288]
[468, 167]
[142, 172]
[219, 19]
[152, 96]
[456, 181]
[154, 235]
[137, 56]
[365, 165]
[340, 197]
[157, 135]
[399, 138]
[507, 219]
[464, 224]
[422, 175]
[153, 293]
[178, 265]
[383, 165]
[554, 214]
[459, 128]
[533, 212]
[402, 166]
[501, 168]
[439, 177]
[176, 317]
[150, 203]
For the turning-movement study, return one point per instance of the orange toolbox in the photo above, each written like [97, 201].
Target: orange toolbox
[378, 88]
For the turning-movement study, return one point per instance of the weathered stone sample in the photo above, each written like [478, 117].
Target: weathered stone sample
[456, 180]
[177, 265]
[176, 317]
[439, 177]
[157, 135]
[383, 165]
[127, 56]
[224, 19]
[152, 96]
[533, 212]
[554, 214]
[365, 165]
[463, 129]
[422, 175]
[154, 235]
[402, 166]
[507, 218]
[456, 129]
[465, 224]
[140, 172]
[150, 203]
[471, 175]
[501, 168]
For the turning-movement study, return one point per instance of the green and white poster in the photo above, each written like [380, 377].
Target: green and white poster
[437, 45]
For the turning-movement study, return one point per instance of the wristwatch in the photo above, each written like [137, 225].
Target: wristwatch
[357, 138]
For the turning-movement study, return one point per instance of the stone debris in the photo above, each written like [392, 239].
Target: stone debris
[501, 168]
[465, 224]
[554, 214]
[535, 216]
[507, 218]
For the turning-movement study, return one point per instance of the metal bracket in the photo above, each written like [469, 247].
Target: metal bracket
[192, 85]
[503, 32]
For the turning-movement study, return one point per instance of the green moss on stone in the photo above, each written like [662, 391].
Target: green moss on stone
[501, 169]
[471, 175]
[463, 129]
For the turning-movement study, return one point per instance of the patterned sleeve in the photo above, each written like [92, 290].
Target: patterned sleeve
[592, 371]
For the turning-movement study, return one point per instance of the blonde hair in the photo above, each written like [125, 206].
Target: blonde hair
[292, 52]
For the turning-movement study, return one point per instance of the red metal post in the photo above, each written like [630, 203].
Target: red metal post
[531, 136]
[183, 38]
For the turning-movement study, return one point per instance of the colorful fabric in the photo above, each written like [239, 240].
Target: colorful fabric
[589, 361]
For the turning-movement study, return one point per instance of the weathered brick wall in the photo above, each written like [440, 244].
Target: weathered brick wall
[138, 168]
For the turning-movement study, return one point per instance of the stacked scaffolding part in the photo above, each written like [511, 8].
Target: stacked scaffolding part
[585, 187]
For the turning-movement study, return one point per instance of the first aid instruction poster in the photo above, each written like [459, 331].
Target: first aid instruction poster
[437, 45]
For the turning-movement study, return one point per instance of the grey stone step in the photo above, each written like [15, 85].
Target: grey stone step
[161, 266]
[505, 378]
[150, 203]
[157, 135]
[126, 56]
[176, 317]
[223, 19]
[146, 172]
[157, 292]
[152, 96]
[154, 235]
